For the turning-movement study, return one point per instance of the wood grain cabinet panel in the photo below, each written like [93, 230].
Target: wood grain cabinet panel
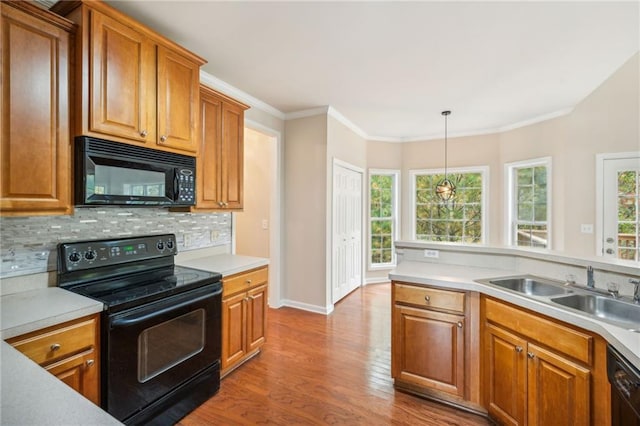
[531, 378]
[133, 85]
[244, 317]
[69, 351]
[220, 160]
[122, 68]
[432, 344]
[35, 144]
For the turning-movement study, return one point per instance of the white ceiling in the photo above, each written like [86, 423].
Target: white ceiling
[391, 67]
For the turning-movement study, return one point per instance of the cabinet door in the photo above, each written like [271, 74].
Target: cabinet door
[80, 372]
[429, 349]
[123, 83]
[234, 339]
[178, 99]
[232, 156]
[256, 317]
[208, 177]
[505, 376]
[558, 389]
[35, 140]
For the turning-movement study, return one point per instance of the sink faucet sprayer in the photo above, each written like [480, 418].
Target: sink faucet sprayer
[590, 280]
[636, 290]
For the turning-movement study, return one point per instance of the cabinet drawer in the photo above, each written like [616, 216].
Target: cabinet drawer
[552, 334]
[54, 343]
[244, 281]
[429, 297]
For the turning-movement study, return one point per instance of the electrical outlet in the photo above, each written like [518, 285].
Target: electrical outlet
[214, 235]
[265, 224]
[586, 228]
[187, 240]
[432, 253]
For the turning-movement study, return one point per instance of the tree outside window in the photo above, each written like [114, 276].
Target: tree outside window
[382, 213]
[459, 220]
[628, 218]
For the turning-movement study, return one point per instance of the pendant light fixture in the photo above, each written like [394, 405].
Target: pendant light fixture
[446, 190]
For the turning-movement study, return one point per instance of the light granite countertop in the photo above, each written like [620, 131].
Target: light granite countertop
[464, 278]
[226, 264]
[30, 395]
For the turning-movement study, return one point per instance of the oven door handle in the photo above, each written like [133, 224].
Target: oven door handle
[134, 319]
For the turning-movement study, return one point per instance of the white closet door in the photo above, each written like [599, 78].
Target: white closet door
[347, 231]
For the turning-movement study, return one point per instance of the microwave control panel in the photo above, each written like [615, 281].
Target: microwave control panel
[186, 186]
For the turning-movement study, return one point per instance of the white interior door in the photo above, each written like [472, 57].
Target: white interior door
[621, 198]
[346, 262]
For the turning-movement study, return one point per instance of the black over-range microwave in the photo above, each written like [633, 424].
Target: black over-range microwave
[114, 173]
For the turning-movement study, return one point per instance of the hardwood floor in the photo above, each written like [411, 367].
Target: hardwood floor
[324, 370]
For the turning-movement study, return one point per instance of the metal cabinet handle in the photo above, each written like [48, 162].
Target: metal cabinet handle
[518, 349]
[252, 297]
[249, 281]
[163, 138]
[143, 133]
[427, 298]
[459, 324]
[55, 347]
[90, 362]
[531, 355]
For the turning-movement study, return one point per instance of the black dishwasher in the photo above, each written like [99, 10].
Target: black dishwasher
[625, 390]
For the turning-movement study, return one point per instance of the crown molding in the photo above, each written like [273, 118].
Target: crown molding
[224, 87]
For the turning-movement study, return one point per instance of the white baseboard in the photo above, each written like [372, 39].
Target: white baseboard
[324, 310]
[376, 280]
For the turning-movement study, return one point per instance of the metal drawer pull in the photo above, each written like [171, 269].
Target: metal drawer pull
[427, 298]
[531, 355]
[163, 138]
[519, 349]
[55, 347]
[90, 362]
[459, 324]
[143, 133]
[248, 281]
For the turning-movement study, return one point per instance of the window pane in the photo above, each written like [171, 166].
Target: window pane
[458, 220]
[530, 213]
[382, 217]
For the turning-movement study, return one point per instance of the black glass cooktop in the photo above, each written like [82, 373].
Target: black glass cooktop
[119, 293]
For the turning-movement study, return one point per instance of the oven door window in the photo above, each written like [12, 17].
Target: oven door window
[168, 344]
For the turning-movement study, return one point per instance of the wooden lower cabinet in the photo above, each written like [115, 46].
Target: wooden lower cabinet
[538, 371]
[70, 351]
[432, 344]
[244, 315]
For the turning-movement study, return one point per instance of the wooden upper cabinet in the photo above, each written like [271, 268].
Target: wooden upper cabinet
[35, 112]
[133, 86]
[178, 94]
[220, 161]
[123, 79]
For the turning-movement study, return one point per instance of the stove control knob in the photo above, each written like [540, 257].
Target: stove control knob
[90, 255]
[160, 245]
[170, 244]
[74, 257]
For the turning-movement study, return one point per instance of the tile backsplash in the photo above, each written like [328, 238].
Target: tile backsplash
[28, 244]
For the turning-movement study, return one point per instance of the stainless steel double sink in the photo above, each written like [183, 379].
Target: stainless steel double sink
[618, 312]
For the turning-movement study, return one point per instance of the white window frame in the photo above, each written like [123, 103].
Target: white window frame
[483, 170]
[510, 201]
[395, 219]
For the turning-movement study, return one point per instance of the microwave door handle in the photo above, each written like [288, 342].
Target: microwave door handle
[176, 185]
